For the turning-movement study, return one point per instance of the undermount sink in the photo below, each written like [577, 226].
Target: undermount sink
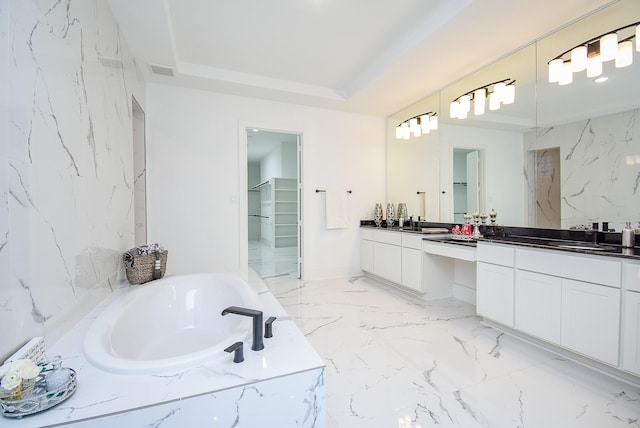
[583, 247]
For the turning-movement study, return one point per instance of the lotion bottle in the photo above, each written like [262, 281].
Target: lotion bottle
[628, 236]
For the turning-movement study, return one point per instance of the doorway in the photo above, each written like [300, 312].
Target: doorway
[139, 173]
[274, 229]
[467, 183]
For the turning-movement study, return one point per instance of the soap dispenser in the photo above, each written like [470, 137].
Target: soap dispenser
[628, 236]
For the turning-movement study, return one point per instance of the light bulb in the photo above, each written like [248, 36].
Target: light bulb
[424, 123]
[567, 74]
[555, 70]
[594, 66]
[498, 89]
[465, 103]
[406, 131]
[638, 38]
[579, 58]
[624, 56]
[433, 122]
[454, 108]
[398, 132]
[494, 101]
[608, 47]
[509, 94]
[479, 97]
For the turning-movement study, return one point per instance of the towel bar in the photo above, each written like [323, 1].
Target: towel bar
[322, 191]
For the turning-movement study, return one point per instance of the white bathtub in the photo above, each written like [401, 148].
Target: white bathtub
[170, 324]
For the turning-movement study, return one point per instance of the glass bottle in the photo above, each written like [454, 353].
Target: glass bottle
[58, 376]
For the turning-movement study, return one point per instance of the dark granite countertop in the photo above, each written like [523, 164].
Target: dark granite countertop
[570, 241]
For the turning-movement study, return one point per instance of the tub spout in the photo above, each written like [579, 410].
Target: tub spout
[256, 316]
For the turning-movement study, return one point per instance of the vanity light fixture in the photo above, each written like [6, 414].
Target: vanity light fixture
[614, 45]
[417, 125]
[500, 92]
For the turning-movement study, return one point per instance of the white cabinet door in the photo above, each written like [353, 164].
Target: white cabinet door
[591, 320]
[366, 262]
[495, 292]
[538, 305]
[412, 268]
[631, 333]
[387, 261]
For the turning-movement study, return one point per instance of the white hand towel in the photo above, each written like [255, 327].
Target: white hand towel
[337, 209]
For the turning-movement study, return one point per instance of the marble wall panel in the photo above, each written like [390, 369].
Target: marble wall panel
[599, 169]
[66, 162]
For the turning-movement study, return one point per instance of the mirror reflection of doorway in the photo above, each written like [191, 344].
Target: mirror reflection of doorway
[273, 203]
[467, 187]
[547, 190]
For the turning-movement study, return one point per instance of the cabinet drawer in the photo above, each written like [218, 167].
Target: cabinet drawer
[366, 234]
[581, 268]
[393, 238]
[450, 250]
[631, 275]
[496, 254]
[411, 240]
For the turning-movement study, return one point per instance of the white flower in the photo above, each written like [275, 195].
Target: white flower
[6, 368]
[11, 380]
[28, 369]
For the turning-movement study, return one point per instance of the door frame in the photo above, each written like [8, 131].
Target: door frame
[243, 199]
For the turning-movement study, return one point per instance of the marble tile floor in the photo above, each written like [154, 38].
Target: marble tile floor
[395, 361]
[270, 262]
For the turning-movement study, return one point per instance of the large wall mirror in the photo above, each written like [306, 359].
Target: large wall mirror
[559, 156]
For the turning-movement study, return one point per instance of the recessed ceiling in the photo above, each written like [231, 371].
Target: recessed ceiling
[366, 56]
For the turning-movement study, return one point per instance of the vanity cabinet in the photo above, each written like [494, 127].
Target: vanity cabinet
[591, 320]
[495, 283]
[631, 319]
[538, 300]
[366, 251]
[382, 254]
[412, 261]
[572, 301]
[393, 256]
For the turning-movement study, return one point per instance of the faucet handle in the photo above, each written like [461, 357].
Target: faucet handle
[237, 349]
[268, 327]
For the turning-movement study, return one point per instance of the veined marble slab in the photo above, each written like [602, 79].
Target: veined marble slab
[286, 377]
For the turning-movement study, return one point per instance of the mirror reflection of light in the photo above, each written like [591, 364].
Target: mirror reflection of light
[406, 422]
[264, 363]
[601, 79]
[190, 306]
[631, 160]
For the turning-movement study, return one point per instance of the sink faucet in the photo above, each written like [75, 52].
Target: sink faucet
[257, 323]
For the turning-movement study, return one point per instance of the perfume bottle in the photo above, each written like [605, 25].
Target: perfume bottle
[58, 376]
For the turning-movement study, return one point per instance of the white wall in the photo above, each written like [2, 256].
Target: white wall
[195, 178]
[66, 163]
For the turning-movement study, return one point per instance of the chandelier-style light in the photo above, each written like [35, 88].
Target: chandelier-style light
[614, 45]
[501, 92]
[417, 125]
